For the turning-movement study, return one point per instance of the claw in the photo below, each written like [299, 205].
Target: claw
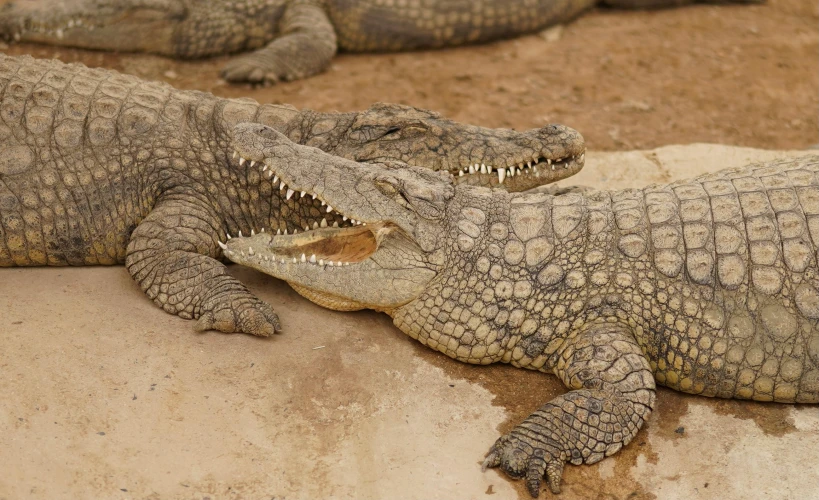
[554, 471]
[493, 460]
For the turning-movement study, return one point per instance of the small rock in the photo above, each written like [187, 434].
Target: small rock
[171, 74]
[552, 34]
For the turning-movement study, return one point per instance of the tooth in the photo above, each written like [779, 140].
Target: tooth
[489, 169]
[322, 203]
[265, 257]
[306, 228]
[252, 163]
[262, 230]
[285, 231]
[313, 258]
[553, 167]
[314, 196]
[289, 193]
[316, 225]
[275, 179]
[294, 260]
[242, 161]
[321, 262]
[279, 231]
[235, 154]
[303, 258]
[512, 172]
[240, 234]
[529, 163]
[222, 245]
[282, 261]
[549, 161]
[501, 175]
[346, 263]
[329, 262]
[329, 209]
[295, 230]
[518, 172]
[270, 174]
[250, 251]
[344, 217]
[264, 168]
[483, 168]
[460, 173]
[335, 224]
[323, 223]
[228, 235]
[471, 169]
[302, 194]
[537, 160]
[252, 233]
[282, 186]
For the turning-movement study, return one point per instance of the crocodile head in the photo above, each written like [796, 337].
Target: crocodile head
[474, 155]
[137, 25]
[393, 237]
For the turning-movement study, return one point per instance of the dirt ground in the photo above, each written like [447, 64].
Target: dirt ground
[744, 75]
[106, 396]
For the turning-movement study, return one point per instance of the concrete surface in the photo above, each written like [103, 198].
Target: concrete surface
[103, 395]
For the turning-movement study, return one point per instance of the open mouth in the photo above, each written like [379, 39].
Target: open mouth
[533, 168]
[329, 244]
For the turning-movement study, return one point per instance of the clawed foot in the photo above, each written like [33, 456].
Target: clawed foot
[518, 459]
[250, 315]
[250, 69]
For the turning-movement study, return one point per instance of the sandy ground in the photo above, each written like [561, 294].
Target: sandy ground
[106, 396]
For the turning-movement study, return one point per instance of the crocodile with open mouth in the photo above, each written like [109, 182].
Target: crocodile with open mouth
[708, 286]
[97, 167]
[289, 39]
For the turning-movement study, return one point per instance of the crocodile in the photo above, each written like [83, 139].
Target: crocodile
[97, 167]
[708, 286]
[289, 39]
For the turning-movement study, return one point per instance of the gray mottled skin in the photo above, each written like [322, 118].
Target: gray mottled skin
[708, 286]
[290, 39]
[102, 168]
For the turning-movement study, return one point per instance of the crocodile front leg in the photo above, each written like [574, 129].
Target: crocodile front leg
[612, 394]
[305, 47]
[172, 255]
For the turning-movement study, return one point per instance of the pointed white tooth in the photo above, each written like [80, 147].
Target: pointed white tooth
[329, 262]
[548, 161]
[282, 186]
[294, 260]
[265, 257]
[289, 194]
[228, 235]
[471, 169]
[483, 168]
[235, 154]
[295, 230]
[269, 175]
[553, 167]
[315, 225]
[222, 245]
[344, 217]
[279, 231]
[323, 223]
[303, 193]
[329, 209]
[537, 160]
[313, 258]
[346, 263]
[322, 203]
[264, 168]
[275, 179]
[261, 230]
[529, 163]
[252, 163]
[250, 251]
[306, 228]
[303, 258]
[252, 233]
[240, 234]
[501, 175]
[321, 262]
[511, 172]
[282, 261]
[335, 224]
[518, 171]
[314, 196]
[242, 252]
[460, 173]
[242, 161]
[489, 169]
[285, 231]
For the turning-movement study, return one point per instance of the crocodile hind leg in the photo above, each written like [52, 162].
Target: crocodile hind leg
[306, 44]
[172, 255]
[612, 394]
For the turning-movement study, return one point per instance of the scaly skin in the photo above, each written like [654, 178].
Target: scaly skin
[708, 286]
[290, 39]
[102, 168]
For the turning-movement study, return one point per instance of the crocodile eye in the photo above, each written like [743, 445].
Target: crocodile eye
[392, 133]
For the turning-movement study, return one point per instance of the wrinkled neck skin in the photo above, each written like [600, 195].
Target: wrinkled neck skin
[489, 297]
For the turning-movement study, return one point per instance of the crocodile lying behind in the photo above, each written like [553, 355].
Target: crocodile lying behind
[291, 39]
[708, 286]
[102, 168]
